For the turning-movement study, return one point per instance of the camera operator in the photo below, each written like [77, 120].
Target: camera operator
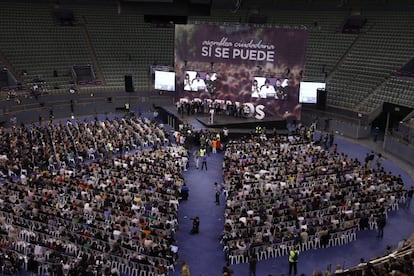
[196, 225]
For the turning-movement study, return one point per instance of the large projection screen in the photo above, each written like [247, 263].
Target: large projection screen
[164, 81]
[237, 55]
[308, 91]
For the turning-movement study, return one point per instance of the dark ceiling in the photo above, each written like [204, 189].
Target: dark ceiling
[282, 4]
[203, 7]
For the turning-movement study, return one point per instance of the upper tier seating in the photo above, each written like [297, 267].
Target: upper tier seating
[356, 66]
[395, 90]
[126, 45]
[373, 58]
[35, 43]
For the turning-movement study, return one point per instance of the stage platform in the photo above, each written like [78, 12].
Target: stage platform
[235, 125]
[230, 122]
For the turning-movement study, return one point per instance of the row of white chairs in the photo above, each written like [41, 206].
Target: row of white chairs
[281, 249]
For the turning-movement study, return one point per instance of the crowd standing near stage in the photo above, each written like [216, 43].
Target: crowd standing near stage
[220, 107]
[287, 192]
[90, 196]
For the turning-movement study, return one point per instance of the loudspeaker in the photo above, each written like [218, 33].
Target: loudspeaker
[129, 85]
[257, 19]
[321, 99]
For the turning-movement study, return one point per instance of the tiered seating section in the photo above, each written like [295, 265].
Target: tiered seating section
[397, 90]
[325, 45]
[288, 192]
[374, 57]
[356, 66]
[126, 45]
[33, 42]
[68, 198]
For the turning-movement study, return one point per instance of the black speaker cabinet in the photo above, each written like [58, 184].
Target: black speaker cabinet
[321, 99]
[129, 85]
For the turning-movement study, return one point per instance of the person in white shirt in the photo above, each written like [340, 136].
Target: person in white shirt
[198, 84]
[187, 83]
[267, 90]
[184, 160]
[255, 89]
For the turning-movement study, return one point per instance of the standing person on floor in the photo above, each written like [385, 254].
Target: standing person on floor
[203, 156]
[184, 192]
[252, 265]
[381, 221]
[409, 197]
[32, 265]
[217, 193]
[196, 226]
[197, 158]
[370, 157]
[185, 269]
[293, 260]
[217, 197]
[184, 163]
[225, 134]
[227, 270]
[214, 145]
[379, 161]
[335, 149]
[331, 139]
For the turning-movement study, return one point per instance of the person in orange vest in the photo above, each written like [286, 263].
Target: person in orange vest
[219, 145]
[214, 146]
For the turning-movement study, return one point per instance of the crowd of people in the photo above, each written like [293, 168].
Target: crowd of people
[290, 191]
[220, 107]
[53, 145]
[395, 262]
[102, 196]
[91, 196]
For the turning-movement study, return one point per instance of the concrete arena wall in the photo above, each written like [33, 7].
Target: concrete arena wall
[351, 130]
[402, 150]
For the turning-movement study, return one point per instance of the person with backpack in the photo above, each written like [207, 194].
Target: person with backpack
[293, 260]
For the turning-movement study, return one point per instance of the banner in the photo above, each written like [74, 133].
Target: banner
[235, 59]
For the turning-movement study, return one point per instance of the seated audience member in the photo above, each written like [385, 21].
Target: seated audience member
[114, 206]
[293, 190]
